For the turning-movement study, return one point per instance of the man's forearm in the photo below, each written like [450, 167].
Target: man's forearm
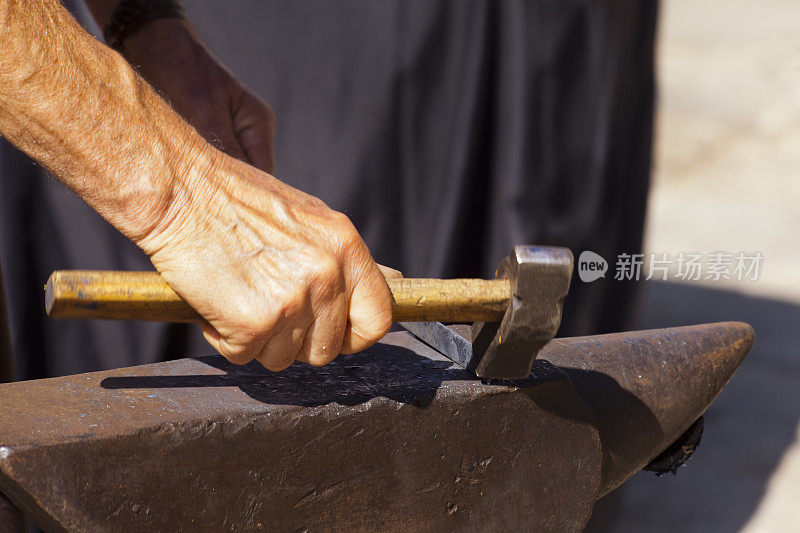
[79, 109]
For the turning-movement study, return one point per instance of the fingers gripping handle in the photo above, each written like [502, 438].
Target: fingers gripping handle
[146, 296]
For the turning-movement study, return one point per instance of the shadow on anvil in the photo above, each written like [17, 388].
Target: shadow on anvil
[389, 371]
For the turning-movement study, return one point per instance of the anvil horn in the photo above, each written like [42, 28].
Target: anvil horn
[643, 389]
[391, 438]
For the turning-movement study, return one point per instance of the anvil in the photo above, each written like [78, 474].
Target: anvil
[393, 438]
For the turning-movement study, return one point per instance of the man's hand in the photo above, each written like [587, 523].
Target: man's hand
[277, 274]
[169, 54]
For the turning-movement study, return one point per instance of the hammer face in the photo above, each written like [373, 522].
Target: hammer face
[539, 277]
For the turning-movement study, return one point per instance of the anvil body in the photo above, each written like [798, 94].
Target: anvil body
[394, 438]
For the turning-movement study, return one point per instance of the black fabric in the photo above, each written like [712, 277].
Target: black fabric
[6, 362]
[447, 130]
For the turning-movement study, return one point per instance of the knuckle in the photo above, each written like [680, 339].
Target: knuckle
[325, 348]
[257, 324]
[342, 222]
[348, 230]
[327, 266]
[344, 230]
[241, 358]
[326, 275]
[247, 319]
[321, 357]
[238, 354]
[292, 304]
[348, 242]
[281, 350]
[275, 365]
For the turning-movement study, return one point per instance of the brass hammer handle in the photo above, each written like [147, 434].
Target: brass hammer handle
[146, 296]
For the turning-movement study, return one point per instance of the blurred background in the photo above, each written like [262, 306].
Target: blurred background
[726, 179]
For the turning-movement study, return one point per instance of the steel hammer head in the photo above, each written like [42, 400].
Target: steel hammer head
[539, 277]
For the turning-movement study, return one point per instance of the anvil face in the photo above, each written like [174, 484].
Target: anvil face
[392, 438]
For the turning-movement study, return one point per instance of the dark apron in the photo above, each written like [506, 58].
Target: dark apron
[447, 130]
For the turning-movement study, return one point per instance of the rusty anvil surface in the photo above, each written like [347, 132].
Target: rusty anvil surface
[394, 438]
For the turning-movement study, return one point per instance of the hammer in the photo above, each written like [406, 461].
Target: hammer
[513, 315]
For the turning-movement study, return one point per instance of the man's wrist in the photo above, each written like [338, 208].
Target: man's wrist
[186, 163]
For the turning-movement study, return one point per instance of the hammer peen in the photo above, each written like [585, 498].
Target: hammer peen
[513, 315]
